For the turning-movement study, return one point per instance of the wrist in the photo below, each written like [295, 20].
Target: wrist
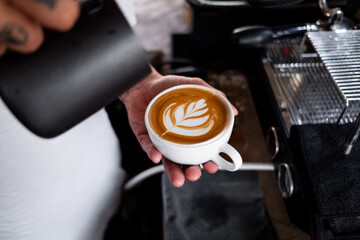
[143, 84]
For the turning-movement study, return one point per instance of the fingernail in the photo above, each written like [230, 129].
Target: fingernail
[194, 179]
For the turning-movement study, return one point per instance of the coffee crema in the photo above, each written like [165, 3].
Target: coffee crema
[188, 115]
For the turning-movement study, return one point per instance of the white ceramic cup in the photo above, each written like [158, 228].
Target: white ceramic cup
[198, 153]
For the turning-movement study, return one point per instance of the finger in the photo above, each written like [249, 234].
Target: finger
[211, 167]
[2, 49]
[149, 148]
[154, 155]
[174, 172]
[59, 15]
[235, 110]
[192, 173]
[18, 32]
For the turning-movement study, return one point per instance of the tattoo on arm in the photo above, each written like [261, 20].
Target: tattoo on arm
[13, 33]
[49, 3]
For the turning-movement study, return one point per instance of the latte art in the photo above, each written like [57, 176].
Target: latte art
[188, 119]
[188, 115]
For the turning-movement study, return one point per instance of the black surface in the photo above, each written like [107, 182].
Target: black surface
[140, 214]
[332, 177]
[73, 74]
[220, 206]
[273, 3]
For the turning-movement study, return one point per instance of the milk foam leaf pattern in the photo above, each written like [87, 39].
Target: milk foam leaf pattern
[187, 119]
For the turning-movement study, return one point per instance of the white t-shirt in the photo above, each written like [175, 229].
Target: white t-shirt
[65, 188]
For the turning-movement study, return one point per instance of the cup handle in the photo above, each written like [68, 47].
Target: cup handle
[233, 154]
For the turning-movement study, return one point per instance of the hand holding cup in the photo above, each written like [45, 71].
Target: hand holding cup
[191, 124]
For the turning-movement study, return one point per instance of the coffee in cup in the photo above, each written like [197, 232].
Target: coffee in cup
[191, 124]
[188, 116]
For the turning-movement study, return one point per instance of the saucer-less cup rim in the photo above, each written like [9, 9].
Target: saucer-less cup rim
[195, 145]
[208, 145]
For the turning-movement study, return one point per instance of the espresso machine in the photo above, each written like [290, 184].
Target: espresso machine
[300, 59]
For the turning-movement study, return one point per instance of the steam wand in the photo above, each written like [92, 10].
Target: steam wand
[258, 36]
[353, 137]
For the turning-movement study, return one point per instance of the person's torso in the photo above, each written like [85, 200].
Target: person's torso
[64, 188]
